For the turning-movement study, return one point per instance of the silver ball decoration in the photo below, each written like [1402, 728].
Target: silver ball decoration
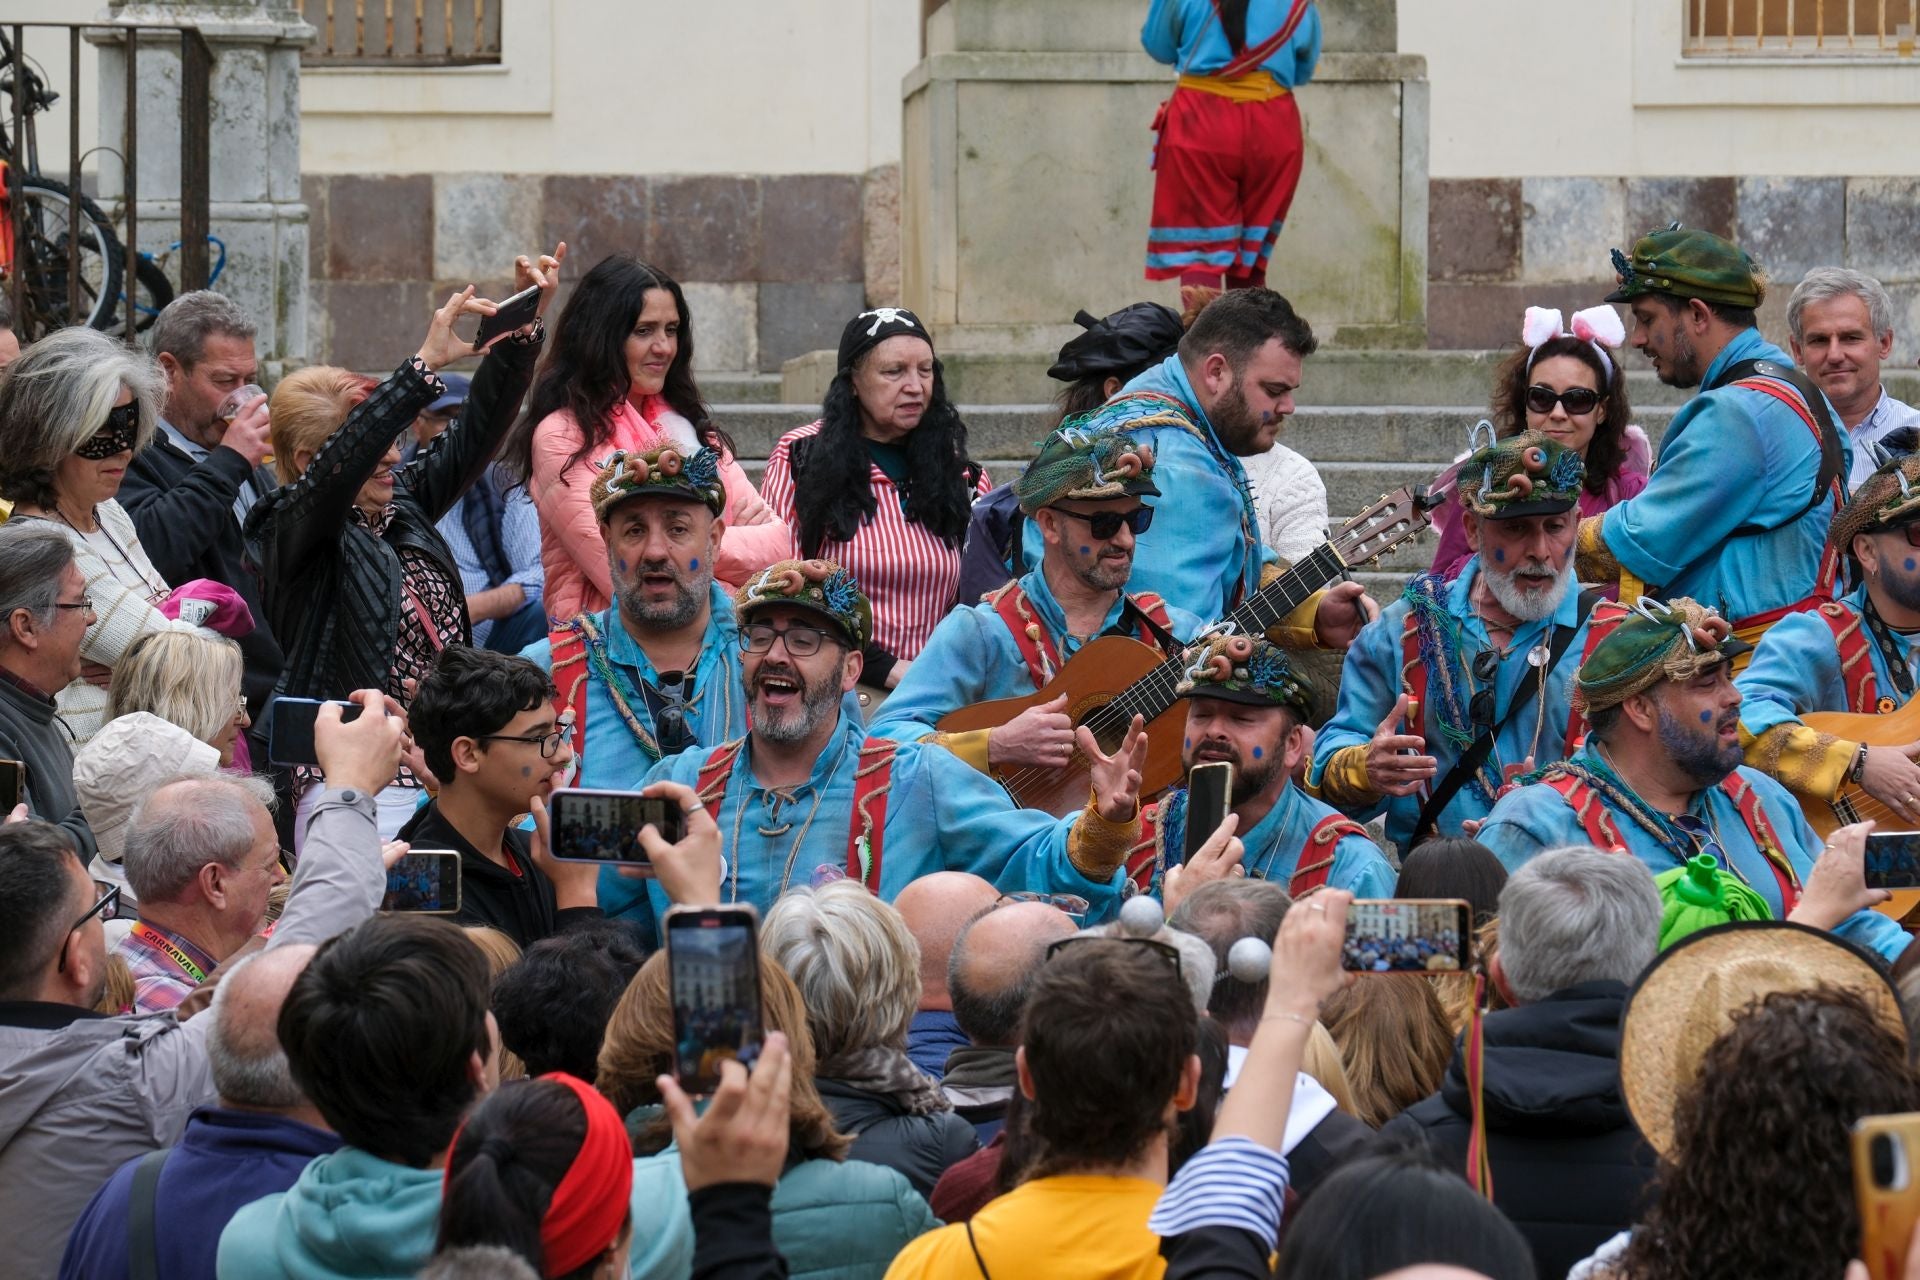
[1250, 960]
[1142, 916]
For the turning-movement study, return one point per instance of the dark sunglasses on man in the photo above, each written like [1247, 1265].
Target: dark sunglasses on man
[1106, 524]
[1578, 400]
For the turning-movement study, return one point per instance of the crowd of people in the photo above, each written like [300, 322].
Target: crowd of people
[1022, 1009]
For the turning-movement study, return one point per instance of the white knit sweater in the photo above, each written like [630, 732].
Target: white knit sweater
[1291, 500]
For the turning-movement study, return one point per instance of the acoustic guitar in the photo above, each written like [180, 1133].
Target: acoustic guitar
[1853, 804]
[1114, 678]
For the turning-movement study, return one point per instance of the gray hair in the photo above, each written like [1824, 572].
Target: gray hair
[187, 823]
[1197, 965]
[1823, 284]
[189, 320]
[855, 961]
[478, 1262]
[57, 395]
[1577, 915]
[250, 1069]
[34, 558]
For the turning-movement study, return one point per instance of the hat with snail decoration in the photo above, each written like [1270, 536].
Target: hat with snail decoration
[1676, 639]
[1081, 465]
[1245, 669]
[671, 471]
[1530, 474]
[818, 586]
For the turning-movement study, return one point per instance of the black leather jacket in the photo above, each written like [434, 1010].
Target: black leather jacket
[331, 587]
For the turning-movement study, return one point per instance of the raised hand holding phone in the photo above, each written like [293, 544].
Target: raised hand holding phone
[1221, 856]
[364, 753]
[689, 869]
[1837, 886]
[743, 1135]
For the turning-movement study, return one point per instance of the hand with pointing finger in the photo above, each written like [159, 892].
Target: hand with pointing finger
[1397, 763]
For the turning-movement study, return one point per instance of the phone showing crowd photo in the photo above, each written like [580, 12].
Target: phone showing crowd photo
[13, 785]
[604, 826]
[290, 724]
[425, 881]
[1209, 787]
[713, 975]
[1412, 935]
[513, 312]
[1885, 1189]
[1893, 860]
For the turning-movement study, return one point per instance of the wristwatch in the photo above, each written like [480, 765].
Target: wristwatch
[1858, 772]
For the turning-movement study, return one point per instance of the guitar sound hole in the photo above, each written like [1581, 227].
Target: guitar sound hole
[1108, 735]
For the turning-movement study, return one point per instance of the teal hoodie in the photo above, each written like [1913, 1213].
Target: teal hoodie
[351, 1216]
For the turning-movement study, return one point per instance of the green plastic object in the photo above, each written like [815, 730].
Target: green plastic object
[1700, 895]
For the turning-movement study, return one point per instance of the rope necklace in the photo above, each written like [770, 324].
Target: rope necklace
[739, 816]
[1614, 785]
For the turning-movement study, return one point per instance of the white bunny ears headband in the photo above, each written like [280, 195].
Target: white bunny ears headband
[1599, 327]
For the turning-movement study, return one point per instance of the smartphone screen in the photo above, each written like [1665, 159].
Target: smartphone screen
[520, 309]
[290, 728]
[1893, 860]
[424, 880]
[1208, 788]
[604, 826]
[13, 785]
[1415, 935]
[713, 968]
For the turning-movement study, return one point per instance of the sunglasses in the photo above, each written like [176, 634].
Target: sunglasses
[670, 723]
[1912, 531]
[1070, 903]
[122, 429]
[107, 908]
[1170, 954]
[1486, 671]
[1578, 400]
[1106, 524]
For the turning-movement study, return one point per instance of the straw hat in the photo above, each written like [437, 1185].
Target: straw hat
[1689, 997]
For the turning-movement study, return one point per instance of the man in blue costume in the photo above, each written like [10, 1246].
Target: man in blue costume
[1751, 471]
[1856, 654]
[1221, 397]
[1459, 687]
[1660, 776]
[1246, 707]
[808, 793]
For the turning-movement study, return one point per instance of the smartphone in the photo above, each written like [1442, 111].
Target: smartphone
[1893, 860]
[1884, 1189]
[13, 785]
[290, 728]
[424, 880]
[1209, 786]
[604, 826]
[520, 309]
[1408, 935]
[713, 977]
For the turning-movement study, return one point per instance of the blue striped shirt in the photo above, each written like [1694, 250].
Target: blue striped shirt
[1230, 1182]
[519, 542]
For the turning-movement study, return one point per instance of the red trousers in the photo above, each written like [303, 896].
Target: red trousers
[1226, 174]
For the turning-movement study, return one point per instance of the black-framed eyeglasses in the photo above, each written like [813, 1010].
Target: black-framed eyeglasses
[1106, 524]
[1578, 400]
[670, 728]
[1486, 674]
[107, 908]
[801, 642]
[1071, 903]
[549, 743]
[1166, 951]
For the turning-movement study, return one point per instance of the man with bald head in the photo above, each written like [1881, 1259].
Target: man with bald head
[995, 959]
[254, 1141]
[936, 908]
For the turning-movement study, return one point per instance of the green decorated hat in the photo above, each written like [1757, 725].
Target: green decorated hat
[1887, 499]
[818, 586]
[666, 472]
[1085, 466]
[1689, 263]
[1530, 474]
[1675, 640]
[1246, 669]
[1700, 895]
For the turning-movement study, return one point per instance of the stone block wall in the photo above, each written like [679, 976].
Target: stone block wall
[773, 266]
[1496, 246]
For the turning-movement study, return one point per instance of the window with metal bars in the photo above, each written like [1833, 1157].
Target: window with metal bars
[1801, 28]
[402, 33]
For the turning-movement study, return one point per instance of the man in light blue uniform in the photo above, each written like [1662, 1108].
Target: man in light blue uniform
[1751, 471]
[1490, 655]
[658, 671]
[1246, 707]
[1220, 398]
[1084, 491]
[807, 792]
[1857, 655]
[1660, 776]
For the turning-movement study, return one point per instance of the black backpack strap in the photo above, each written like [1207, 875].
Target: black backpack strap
[1832, 452]
[1476, 754]
[143, 1256]
[978, 1261]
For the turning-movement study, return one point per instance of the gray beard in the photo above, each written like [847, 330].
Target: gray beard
[818, 702]
[1528, 605]
[663, 615]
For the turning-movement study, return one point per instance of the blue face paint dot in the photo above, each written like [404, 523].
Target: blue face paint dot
[1086, 551]
[1911, 566]
[1257, 753]
[1189, 743]
[526, 771]
[1706, 717]
[692, 565]
[623, 566]
[1499, 555]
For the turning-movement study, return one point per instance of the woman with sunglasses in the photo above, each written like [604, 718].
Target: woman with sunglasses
[1568, 385]
[74, 410]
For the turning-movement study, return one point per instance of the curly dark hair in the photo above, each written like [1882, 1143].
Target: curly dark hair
[585, 368]
[832, 496]
[1759, 1179]
[1607, 451]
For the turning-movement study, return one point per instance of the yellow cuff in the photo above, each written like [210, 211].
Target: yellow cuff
[1592, 560]
[970, 745]
[1813, 764]
[1097, 847]
[1295, 631]
[1344, 783]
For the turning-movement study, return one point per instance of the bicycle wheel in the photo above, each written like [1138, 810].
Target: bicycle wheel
[41, 256]
[156, 291]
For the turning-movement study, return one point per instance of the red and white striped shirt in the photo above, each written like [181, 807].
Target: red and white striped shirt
[908, 573]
